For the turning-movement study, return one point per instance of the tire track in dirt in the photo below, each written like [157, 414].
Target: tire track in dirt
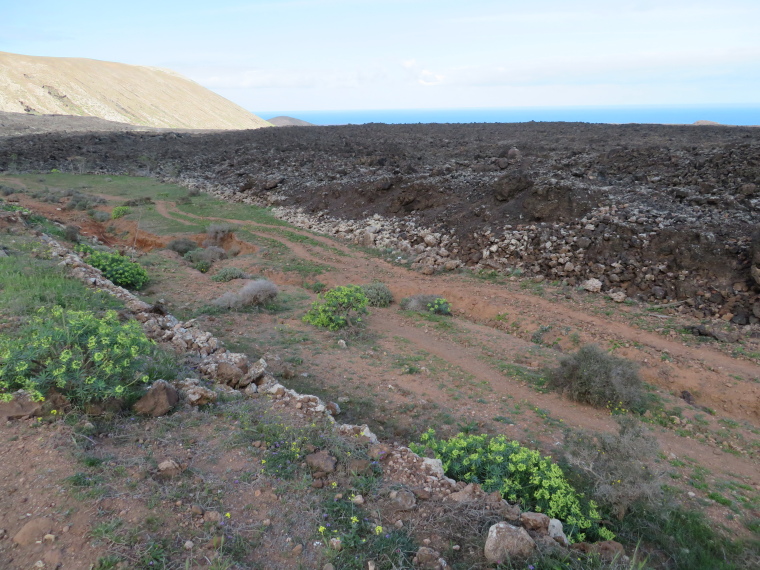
[572, 414]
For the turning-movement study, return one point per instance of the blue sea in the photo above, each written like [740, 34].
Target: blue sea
[726, 115]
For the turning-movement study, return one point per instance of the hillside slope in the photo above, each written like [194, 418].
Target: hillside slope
[283, 121]
[137, 95]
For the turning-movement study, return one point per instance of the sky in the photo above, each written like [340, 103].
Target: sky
[416, 54]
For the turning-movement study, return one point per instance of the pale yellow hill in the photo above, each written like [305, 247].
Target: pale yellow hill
[145, 96]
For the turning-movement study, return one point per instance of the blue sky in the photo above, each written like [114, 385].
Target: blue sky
[392, 54]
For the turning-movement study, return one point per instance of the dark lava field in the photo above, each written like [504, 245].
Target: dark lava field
[655, 211]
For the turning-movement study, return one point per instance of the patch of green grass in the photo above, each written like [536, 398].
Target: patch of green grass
[720, 499]
[534, 378]
[210, 207]
[680, 539]
[305, 268]
[29, 284]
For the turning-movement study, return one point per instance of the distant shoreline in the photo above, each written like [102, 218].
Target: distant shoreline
[744, 115]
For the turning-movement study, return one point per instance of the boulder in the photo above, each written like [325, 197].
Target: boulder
[537, 522]
[158, 400]
[505, 542]
[592, 285]
[557, 532]
[33, 531]
[608, 550]
[321, 461]
[403, 500]
[228, 373]
[20, 407]
[169, 468]
[429, 559]
[510, 185]
[469, 494]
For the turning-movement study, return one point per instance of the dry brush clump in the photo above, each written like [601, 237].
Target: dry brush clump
[203, 258]
[616, 466]
[228, 274]
[255, 293]
[427, 304]
[595, 377]
[216, 233]
[182, 245]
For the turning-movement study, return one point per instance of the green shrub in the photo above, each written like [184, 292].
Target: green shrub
[378, 294]
[317, 286]
[119, 211]
[85, 357]
[202, 266]
[520, 474]
[338, 308]
[182, 245]
[427, 303]
[119, 269]
[595, 377]
[228, 274]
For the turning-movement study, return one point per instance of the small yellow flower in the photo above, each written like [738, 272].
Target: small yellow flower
[228, 515]
[378, 530]
[322, 529]
[354, 520]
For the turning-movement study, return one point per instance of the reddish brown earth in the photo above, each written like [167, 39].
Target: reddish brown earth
[459, 381]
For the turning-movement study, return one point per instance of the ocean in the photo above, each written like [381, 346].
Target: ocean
[726, 115]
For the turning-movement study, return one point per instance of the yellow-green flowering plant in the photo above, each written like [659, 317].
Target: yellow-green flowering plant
[520, 474]
[83, 356]
[119, 269]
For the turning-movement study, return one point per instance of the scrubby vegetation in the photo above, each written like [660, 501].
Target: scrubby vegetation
[83, 356]
[100, 216]
[182, 245]
[617, 466]
[255, 293]
[119, 269]
[595, 377]
[338, 308]
[427, 304]
[210, 254]
[216, 234]
[228, 274]
[520, 474]
[77, 200]
[120, 212]
[69, 338]
[378, 294]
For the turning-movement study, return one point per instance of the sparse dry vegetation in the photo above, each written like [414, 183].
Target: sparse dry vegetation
[253, 294]
[595, 377]
[182, 245]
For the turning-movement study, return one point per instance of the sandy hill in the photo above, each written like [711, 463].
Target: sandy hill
[283, 121]
[145, 96]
